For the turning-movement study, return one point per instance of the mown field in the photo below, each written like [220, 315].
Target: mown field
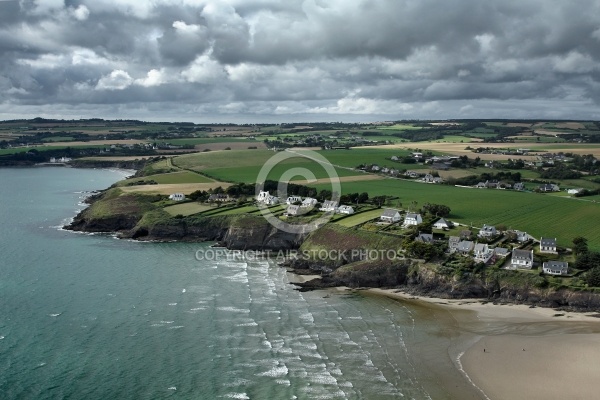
[538, 214]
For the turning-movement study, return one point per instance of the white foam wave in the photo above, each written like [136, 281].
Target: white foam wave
[55, 315]
[234, 309]
[242, 396]
[275, 372]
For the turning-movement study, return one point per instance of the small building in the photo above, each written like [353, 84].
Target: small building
[465, 247]
[329, 206]
[482, 253]
[487, 231]
[308, 202]
[395, 158]
[522, 236]
[519, 186]
[272, 200]
[548, 245]
[293, 199]
[177, 197]
[412, 219]
[443, 224]
[549, 187]
[390, 216]
[556, 268]
[293, 210]
[453, 242]
[575, 191]
[501, 252]
[521, 259]
[424, 237]
[218, 198]
[347, 210]
[262, 196]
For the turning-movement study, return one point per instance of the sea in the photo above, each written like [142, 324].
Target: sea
[95, 317]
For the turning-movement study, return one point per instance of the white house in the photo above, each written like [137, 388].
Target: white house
[218, 198]
[482, 253]
[293, 199]
[556, 268]
[308, 202]
[390, 216]
[522, 259]
[412, 219]
[522, 236]
[575, 191]
[328, 206]
[442, 224]
[548, 245]
[487, 231]
[345, 210]
[293, 210]
[262, 196]
[271, 200]
[453, 242]
[465, 247]
[177, 197]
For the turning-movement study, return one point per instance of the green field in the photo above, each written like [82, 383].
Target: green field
[538, 214]
[186, 209]
[196, 141]
[361, 218]
[250, 174]
[178, 177]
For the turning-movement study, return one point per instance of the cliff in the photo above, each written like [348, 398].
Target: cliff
[136, 216]
[342, 256]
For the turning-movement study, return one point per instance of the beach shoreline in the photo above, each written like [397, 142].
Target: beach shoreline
[516, 351]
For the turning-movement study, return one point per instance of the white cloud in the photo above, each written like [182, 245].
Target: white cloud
[575, 62]
[116, 80]
[80, 13]
[204, 70]
[153, 78]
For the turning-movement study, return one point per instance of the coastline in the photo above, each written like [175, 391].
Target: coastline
[535, 353]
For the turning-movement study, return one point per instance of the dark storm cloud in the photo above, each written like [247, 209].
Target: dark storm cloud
[297, 58]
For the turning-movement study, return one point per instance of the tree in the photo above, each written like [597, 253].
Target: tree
[580, 245]
[363, 197]
[438, 210]
[588, 260]
[593, 277]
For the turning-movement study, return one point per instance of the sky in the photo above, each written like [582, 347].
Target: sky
[252, 61]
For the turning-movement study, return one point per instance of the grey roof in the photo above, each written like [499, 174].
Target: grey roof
[465, 245]
[293, 209]
[519, 254]
[425, 237]
[442, 221]
[389, 213]
[556, 265]
[548, 242]
[501, 251]
[329, 203]
[480, 247]
[412, 216]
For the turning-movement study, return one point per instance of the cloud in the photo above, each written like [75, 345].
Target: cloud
[116, 80]
[272, 59]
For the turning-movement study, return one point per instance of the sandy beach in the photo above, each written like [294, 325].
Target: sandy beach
[533, 353]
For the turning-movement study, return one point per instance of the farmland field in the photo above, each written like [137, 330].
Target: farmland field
[177, 177]
[539, 215]
[186, 209]
[358, 219]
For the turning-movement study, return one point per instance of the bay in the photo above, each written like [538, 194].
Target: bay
[94, 317]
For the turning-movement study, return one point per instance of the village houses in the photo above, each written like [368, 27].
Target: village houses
[390, 216]
[548, 245]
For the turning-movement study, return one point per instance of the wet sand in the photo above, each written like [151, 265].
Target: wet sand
[533, 353]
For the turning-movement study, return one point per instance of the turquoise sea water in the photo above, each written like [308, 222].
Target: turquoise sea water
[93, 317]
